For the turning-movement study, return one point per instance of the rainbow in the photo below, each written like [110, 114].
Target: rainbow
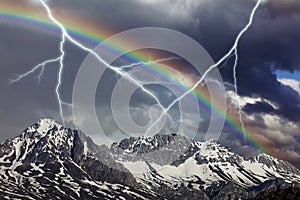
[26, 16]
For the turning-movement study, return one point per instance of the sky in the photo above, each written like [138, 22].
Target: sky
[268, 69]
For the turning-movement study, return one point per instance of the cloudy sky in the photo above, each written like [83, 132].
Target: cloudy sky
[268, 69]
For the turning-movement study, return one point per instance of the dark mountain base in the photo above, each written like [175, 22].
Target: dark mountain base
[290, 193]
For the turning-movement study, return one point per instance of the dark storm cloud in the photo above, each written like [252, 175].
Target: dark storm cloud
[124, 15]
[263, 83]
[272, 41]
[283, 7]
[259, 107]
[274, 37]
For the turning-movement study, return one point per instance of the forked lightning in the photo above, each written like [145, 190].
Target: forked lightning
[232, 50]
[120, 70]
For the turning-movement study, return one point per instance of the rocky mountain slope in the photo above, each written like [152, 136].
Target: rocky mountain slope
[50, 161]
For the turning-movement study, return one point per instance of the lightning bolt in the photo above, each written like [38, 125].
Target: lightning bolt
[132, 65]
[233, 49]
[65, 35]
[236, 64]
[59, 80]
[39, 76]
[149, 62]
[42, 66]
[34, 69]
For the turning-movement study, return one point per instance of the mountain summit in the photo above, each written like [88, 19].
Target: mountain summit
[50, 161]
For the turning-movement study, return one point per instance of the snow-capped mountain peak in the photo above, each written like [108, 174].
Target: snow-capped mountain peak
[46, 124]
[43, 126]
[208, 164]
[50, 161]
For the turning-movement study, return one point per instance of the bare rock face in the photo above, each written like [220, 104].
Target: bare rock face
[50, 161]
[161, 149]
[100, 165]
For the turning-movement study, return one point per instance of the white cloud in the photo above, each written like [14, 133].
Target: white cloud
[275, 122]
[243, 101]
[273, 130]
[236, 100]
[294, 84]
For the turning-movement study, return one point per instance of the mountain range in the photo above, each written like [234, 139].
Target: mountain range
[50, 161]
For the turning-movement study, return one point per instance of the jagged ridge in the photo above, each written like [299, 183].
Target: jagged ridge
[48, 160]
